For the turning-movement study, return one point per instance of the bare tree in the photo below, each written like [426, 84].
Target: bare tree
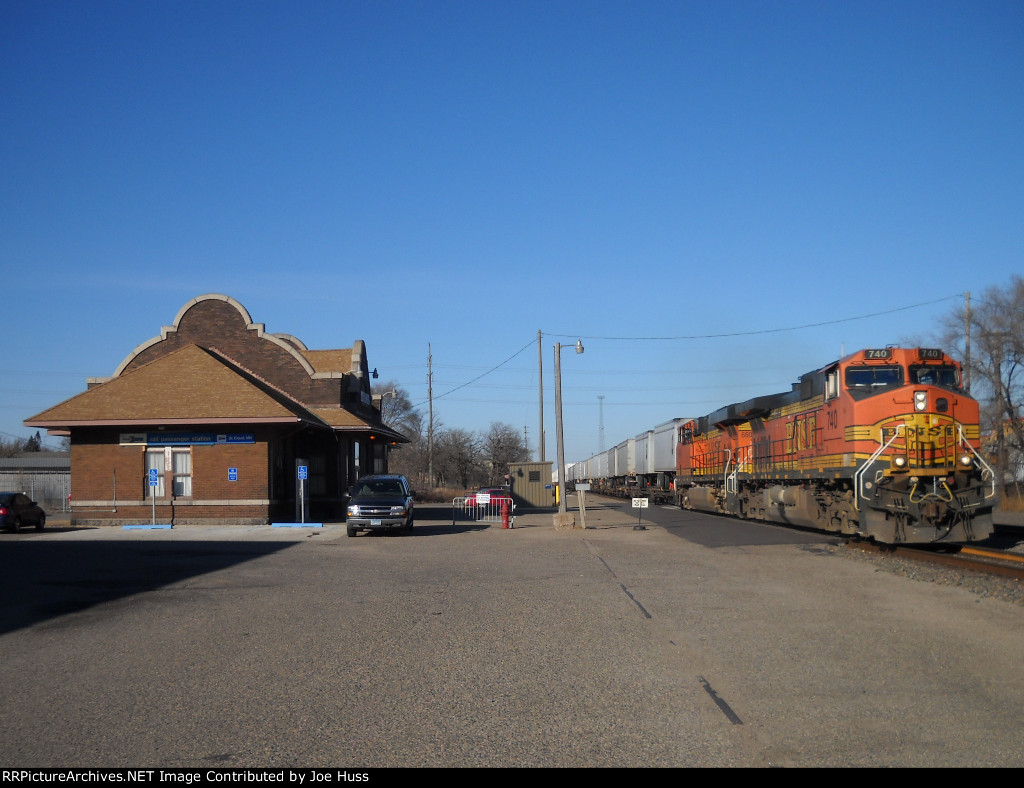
[410, 459]
[502, 444]
[12, 447]
[458, 460]
[994, 360]
[461, 458]
[9, 448]
[396, 410]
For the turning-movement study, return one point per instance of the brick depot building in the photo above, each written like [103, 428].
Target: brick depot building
[215, 421]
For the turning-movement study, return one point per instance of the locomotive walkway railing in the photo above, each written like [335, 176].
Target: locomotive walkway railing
[859, 484]
[987, 471]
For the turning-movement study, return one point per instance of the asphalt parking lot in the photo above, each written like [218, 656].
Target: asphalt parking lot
[670, 645]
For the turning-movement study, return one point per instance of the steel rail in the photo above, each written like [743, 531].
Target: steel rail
[970, 559]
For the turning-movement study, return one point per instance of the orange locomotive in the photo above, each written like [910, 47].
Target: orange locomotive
[882, 443]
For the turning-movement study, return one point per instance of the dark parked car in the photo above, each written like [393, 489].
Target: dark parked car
[380, 503]
[17, 509]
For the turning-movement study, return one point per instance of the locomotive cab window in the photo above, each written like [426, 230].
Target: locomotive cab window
[832, 383]
[946, 376]
[873, 378]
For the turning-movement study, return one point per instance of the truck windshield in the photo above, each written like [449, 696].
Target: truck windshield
[379, 489]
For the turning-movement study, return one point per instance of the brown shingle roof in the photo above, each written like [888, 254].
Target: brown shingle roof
[329, 360]
[188, 385]
[341, 420]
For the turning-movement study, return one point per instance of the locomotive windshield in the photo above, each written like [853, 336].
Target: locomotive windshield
[946, 376]
[873, 378]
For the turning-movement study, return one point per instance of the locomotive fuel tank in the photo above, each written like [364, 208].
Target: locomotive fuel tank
[704, 499]
[793, 506]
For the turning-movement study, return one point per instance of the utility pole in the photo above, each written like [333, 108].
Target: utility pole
[430, 424]
[967, 341]
[600, 423]
[563, 518]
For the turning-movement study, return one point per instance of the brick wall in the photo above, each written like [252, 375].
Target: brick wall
[110, 483]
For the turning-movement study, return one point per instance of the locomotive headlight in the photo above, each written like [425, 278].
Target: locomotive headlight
[900, 462]
[965, 460]
[920, 400]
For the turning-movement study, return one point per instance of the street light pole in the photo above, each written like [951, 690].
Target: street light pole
[540, 380]
[560, 520]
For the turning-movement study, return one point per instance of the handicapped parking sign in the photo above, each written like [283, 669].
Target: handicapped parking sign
[153, 477]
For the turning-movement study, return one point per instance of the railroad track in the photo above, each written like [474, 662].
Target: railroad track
[966, 559]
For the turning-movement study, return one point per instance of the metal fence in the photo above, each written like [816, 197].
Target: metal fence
[50, 489]
[477, 509]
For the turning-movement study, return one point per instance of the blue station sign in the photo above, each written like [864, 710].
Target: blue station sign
[185, 438]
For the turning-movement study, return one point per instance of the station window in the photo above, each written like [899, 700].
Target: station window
[181, 462]
[154, 462]
[180, 466]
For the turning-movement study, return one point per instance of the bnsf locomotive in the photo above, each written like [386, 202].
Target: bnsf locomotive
[883, 443]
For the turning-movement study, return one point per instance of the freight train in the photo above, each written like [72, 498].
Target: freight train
[883, 444]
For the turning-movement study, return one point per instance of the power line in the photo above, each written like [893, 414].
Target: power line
[766, 330]
[485, 374]
[700, 336]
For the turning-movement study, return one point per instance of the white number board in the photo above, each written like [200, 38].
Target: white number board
[639, 503]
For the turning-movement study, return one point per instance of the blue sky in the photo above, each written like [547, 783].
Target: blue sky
[714, 196]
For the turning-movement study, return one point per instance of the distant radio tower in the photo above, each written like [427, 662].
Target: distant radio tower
[600, 423]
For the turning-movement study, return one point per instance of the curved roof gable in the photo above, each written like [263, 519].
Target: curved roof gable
[257, 328]
[215, 365]
[206, 389]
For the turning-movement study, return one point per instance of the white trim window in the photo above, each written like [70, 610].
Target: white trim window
[154, 462]
[177, 461]
[181, 464]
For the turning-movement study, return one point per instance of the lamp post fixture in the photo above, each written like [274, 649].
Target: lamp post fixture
[383, 396]
[558, 427]
[387, 446]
